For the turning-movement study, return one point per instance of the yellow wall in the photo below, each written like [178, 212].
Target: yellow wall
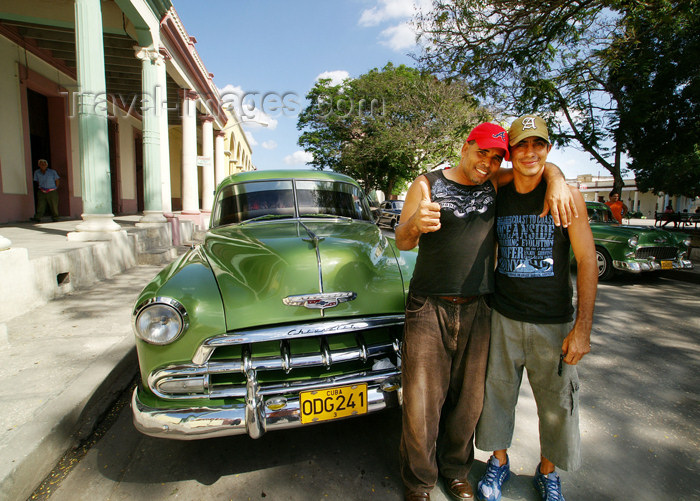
[127, 156]
[175, 137]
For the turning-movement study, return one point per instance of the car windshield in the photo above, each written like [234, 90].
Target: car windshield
[398, 204]
[265, 200]
[600, 214]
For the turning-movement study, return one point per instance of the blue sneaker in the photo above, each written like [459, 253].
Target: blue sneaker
[548, 486]
[489, 487]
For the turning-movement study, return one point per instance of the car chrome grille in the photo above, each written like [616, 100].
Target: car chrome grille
[347, 351]
[656, 252]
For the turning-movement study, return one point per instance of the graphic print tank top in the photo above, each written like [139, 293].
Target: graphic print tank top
[458, 259]
[533, 283]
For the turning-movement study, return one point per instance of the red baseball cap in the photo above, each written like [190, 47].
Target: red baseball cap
[488, 135]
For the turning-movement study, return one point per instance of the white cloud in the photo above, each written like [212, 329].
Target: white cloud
[399, 37]
[248, 107]
[250, 138]
[298, 158]
[336, 76]
[389, 10]
[269, 145]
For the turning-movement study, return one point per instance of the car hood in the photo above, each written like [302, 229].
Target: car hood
[257, 265]
[647, 235]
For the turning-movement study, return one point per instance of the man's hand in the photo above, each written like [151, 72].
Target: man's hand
[576, 344]
[559, 202]
[419, 215]
[427, 217]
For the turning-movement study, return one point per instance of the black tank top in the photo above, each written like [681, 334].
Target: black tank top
[533, 283]
[458, 259]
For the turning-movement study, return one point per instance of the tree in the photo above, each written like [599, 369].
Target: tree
[387, 126]
[654, 62]
[526, 57]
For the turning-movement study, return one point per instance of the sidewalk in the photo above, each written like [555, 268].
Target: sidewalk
[66, 351]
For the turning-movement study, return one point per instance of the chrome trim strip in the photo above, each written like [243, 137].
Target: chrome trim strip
[283, 332]
[315, 239]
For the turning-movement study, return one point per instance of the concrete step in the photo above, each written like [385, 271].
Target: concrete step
[156, 257]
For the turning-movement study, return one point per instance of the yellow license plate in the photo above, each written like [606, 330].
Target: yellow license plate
[333, 403]
[666, 265]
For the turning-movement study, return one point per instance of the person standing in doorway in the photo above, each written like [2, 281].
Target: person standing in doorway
[48, 181]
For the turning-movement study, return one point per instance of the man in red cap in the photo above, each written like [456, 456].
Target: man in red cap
[446, 336]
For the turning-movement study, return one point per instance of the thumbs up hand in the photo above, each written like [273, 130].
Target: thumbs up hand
[427, 216]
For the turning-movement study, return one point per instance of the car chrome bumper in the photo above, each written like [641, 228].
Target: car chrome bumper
[641, 265]
[255, 416]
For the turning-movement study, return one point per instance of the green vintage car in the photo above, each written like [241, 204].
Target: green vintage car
[289, 313]
[634, 248]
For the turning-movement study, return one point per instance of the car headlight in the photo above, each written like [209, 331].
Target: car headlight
[160, 320]
[633, 241]
[686, 242]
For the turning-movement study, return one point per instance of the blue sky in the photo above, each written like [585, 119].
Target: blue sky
[273, 51]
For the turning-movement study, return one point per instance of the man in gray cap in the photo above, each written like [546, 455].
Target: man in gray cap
[531, 322]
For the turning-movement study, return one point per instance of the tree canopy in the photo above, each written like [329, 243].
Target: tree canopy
[387, 126]
[555, 58]
[654, 62]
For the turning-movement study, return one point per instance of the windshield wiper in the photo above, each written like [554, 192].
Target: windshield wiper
[267, 216]
[327, 216]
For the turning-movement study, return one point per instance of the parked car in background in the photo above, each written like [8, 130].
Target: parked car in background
[289, 313]
[389, 212]
[634, 249]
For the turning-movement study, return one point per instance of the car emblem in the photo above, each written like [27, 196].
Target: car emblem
[319, 301]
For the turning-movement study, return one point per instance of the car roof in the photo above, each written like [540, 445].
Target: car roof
[266, 175]
[599, 205]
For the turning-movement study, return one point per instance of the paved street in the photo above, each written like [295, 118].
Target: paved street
[639, 422]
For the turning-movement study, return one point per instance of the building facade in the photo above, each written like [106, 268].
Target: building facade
[114, 94]
[597, 188]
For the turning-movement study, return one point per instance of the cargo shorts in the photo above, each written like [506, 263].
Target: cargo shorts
[516, 346]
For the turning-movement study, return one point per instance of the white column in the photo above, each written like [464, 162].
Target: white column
[208, 164]
[190, 183]
[219, 157]
[636, 200]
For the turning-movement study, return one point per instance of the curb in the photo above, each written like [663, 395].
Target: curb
[60, 424]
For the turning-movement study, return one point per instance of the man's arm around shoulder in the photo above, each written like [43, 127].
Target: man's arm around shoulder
[578, 342]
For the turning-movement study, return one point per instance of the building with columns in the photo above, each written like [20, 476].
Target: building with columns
[597, 188]
[114, 94]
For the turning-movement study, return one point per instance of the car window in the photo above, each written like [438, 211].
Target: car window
[598, 214]
[331, 198]
[275, 199]
[240, 202]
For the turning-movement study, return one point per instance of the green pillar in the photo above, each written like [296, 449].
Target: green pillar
[92, 124]
[151, 124]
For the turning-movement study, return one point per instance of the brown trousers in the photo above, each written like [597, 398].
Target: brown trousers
[444, 356]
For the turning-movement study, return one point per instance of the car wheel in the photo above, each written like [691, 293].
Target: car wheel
[605, 267]
[393, 224]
